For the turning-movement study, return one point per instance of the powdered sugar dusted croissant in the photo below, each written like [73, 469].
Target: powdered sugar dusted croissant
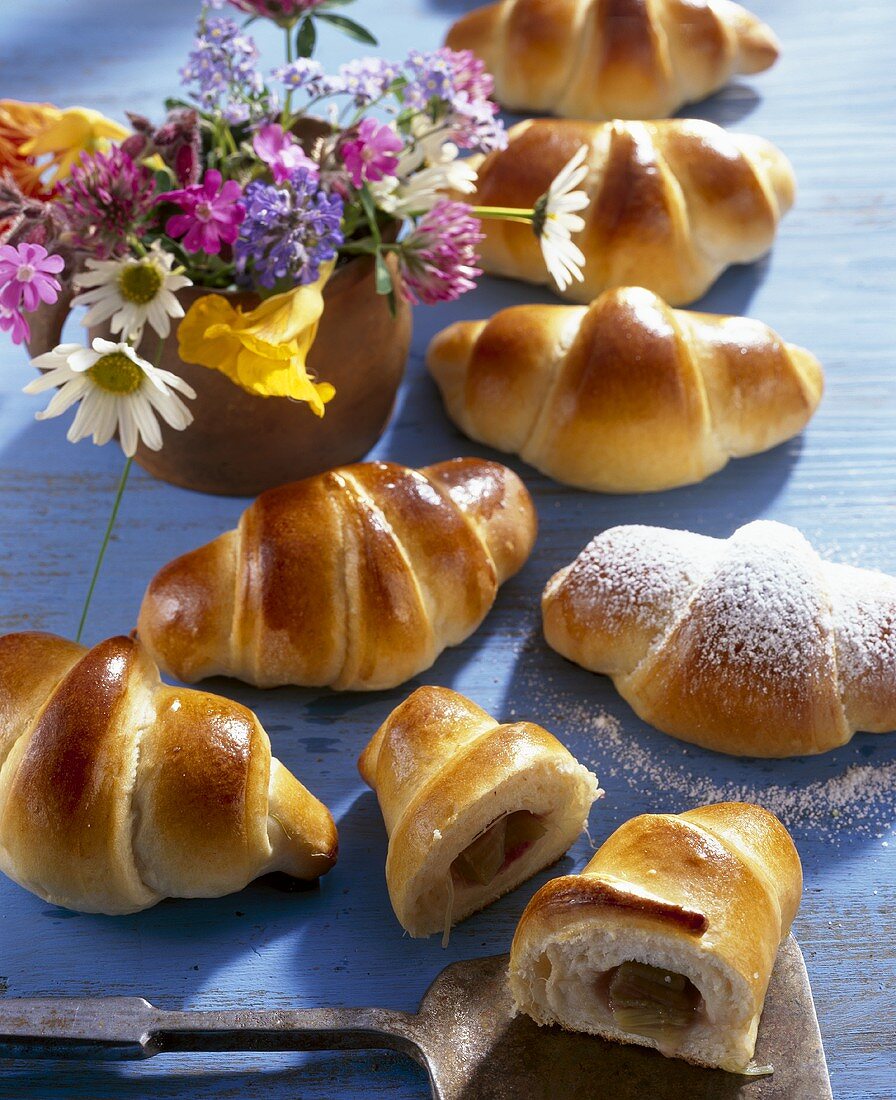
[627, 395]
[117, 791]
[672, 203]
[472, 807]
[751, 645]
[668, 937]
[607, 59]
[357, 578]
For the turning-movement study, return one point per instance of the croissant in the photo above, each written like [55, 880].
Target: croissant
[668, 937]
[357, 578]
[672, 203]
[750, 645]
[607, 59]
[627, 395]
[472, 807]
[117, 791]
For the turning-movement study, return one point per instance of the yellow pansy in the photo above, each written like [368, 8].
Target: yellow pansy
[265, 350]
[74, 130]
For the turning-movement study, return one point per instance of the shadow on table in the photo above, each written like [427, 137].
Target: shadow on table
[352, 1073]
[835, 805]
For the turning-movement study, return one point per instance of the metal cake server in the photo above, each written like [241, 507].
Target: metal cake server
[464, 1035]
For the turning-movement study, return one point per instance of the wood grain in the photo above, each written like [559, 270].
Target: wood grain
[829, 285]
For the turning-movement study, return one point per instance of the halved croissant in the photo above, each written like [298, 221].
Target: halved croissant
[357, 578]
[605, 59]
[472, 807]
[627, 395]
[751, 645]
[668, 937]
[673, 203]
[117, 791]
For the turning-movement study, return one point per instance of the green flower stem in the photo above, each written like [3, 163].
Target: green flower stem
[504, 213]
[111, 524]
[287, 103]
[99, 561]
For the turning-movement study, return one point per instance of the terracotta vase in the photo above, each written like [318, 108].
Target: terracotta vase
[240, 444]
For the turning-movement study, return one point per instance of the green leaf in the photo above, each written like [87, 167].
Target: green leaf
[306, 38]
[383, 275]
[349, 27]
[369, 208]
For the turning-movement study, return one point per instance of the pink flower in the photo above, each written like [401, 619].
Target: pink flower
[438, 259]
[212, 213]
[372, 155]
[283, 11]
[27, 277]
[281, 152]
[14, 323]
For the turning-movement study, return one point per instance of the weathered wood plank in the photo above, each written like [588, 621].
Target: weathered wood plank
[829, 284]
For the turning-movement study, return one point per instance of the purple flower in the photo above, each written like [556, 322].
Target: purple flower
[455, 87]
[221, 71]
[373, 153]
[281, 152]
[302, 73]
[27, 277]
[14, 323]
[289, 230]
[429, 78]
[212, 213]
[468, 74]
[438, 259]
[105, 200]
[367, 79]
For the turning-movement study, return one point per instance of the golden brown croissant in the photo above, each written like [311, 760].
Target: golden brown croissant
[673, 203]
[357, 578]
[472, 807]
[668, 937]
[627, 395]
[750, 645]
[605, 59]
[117, 791]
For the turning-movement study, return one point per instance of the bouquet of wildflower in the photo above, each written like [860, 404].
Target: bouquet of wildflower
[263, 181]
[256, 180]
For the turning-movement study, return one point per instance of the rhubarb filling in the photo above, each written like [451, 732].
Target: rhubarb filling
[493, 851]
[650, 1001]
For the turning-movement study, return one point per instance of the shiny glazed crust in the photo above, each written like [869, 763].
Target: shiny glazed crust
[604, 59]
[117, 791]
[709, 894]
[357, 578]
[673, 203]
[443, 771]
[626, 395]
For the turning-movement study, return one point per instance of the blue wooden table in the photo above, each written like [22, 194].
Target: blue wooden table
[831, 105]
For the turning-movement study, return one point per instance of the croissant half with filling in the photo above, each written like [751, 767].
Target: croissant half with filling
[357, 578]
[668, 937]
[751, 645]
[472, 807]
[626, 395]
[117, 791]
[672, 203]
[606, 59]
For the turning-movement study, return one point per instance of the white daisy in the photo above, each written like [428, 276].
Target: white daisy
[556, 220]
[132, 292]
[117, 390]
[428, 169]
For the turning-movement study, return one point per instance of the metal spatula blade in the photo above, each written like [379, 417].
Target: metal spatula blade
[464, 1035]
